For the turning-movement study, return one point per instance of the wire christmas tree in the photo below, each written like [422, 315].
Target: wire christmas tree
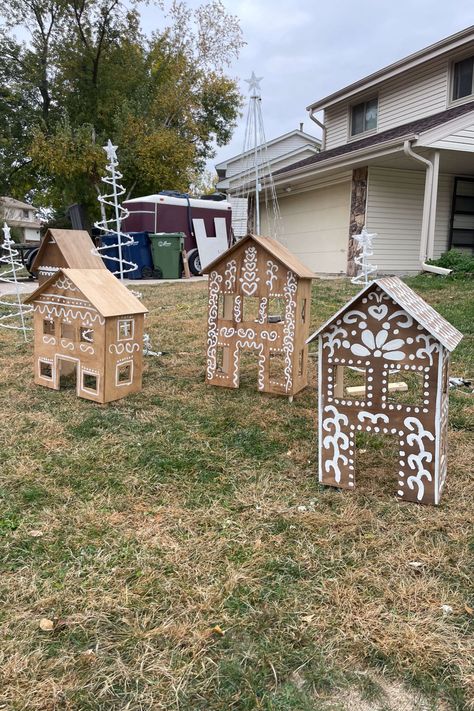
[113, 226]
[12, 315]
[366, 250]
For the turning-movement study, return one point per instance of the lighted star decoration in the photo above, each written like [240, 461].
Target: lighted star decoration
[254, 83]
[111, 151]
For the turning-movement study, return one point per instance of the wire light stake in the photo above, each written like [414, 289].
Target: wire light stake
[120, 213]
[10, 276]
[366, 250]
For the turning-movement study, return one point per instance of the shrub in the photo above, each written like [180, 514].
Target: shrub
[459, 262]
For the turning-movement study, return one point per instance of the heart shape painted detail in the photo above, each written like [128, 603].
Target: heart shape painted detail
[249, 289]
[378, 312]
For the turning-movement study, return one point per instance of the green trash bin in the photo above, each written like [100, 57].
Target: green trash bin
[166, 250]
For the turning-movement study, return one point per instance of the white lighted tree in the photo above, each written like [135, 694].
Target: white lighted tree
[12, 310]
[366, 250]
[112, 226]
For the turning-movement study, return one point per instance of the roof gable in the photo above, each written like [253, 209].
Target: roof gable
[75, 246]
[101, 288]
[310, 140]
[414, 305]
[274, 248]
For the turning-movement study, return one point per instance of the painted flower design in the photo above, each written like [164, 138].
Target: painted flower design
[378, 346]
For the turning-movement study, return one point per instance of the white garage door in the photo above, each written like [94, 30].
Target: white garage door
[315, 227]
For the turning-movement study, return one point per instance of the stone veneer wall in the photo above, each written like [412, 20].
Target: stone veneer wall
[358, 212]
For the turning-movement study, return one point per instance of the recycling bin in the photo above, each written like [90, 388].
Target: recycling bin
[137, 252]
[166, 248]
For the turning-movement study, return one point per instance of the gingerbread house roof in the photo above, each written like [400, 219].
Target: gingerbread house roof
[413, 304]
[104, 291]
[273, 247]
[76, 247]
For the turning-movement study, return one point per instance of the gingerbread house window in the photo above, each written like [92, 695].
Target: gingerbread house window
[277, 367]
[124, 373]
[89, 381]
[67, 331]
[275, 309]
[46, 369]
[250, 308]
[405, 386]
[49, 328]
[125, 329]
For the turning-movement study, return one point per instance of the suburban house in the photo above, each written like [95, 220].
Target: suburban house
[397, 156]
[21, 215]
[235, 174]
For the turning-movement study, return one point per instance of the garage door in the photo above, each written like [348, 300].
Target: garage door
[315, 227]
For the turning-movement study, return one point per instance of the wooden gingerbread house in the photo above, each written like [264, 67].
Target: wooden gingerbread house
[383, 368]
[259, 302]
[88, 326]
[69, 249]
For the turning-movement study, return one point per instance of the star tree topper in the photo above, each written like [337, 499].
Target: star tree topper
[254, 83]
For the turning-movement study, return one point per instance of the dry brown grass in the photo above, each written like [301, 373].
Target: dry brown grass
[189, 560]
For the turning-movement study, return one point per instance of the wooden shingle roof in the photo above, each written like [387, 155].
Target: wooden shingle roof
[75, 246]
[414, 305]
[99, 286]
[274, 248]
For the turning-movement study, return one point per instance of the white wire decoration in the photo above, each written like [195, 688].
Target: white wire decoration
[12, 315]
[366, 250]
[113, 226]
[256, 166]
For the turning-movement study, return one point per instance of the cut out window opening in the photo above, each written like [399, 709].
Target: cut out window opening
[68, 332]
[87, 335]
[350, 383]
[301, 363]
[405, 387]
[125, 329]
[222, 359]
[124, 373]
[277, 364]
[303, 311]
[364, 116]
[46, 370]
[275, 309]
[250, 308]
[89, 381]
[49, 328]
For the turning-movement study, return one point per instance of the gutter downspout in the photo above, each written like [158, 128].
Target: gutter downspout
[429, 208]
[321, 126]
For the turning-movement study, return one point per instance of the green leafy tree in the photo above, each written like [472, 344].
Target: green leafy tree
[90, 74]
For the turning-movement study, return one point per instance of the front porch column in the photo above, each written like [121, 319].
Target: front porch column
[358, 214]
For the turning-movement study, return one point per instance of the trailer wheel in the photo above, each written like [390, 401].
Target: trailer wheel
[194, 262]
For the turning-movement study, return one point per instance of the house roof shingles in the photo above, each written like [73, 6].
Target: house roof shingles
[391, 134]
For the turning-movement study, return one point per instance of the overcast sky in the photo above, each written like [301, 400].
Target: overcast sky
[306, 50]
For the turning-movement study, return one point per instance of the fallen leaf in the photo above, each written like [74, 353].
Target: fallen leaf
[46, 625]
[218, 630]
[362, 451]
[415, 564]
[308, 618]
[447, 609]
[469, 610]
[35, 534]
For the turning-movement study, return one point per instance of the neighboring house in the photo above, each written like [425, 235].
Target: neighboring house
[237, 172]
[88, 326]
[398, 156]
[21, 215]
[65, 248]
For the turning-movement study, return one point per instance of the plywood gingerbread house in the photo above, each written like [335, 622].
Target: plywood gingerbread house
[89, 327]
[383, 368]
[70, 249]
[259, 302]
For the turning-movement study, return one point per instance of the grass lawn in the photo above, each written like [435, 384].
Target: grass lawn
[187, 558]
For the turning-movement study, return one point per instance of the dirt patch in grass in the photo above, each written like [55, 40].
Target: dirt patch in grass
[187, 558]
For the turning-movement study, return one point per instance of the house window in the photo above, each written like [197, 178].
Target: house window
[250, 308]
[87, 335]
[89, 381]
[350, 383]
[125, 329]
[26, 214]
[67, 331]
[463, 78]
[405, 387]
[46, 370]
[364, 117]
[124, 373]
[48, 327]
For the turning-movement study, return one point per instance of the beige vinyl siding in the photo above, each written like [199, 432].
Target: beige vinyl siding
[292, 143]
[462, 140]
[315, 226]
[336, 122]
[395, 213]
[443, 214]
